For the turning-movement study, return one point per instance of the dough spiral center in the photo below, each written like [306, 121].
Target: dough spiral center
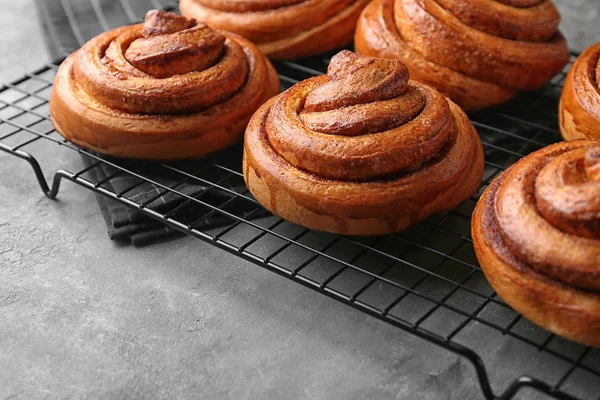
[548, 212]
[173, 45]
[567, 192]
[168, 65]
[362, 121]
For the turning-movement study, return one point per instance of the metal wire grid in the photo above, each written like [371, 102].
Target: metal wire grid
[424, 280]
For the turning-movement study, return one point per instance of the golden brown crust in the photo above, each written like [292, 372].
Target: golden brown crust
[427, 158]
[579, 109]
[535, 232]
[172, 88]
[465, 49]
[282, 29]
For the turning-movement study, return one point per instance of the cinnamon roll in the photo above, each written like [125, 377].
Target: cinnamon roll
[579, 110]
[167, 89]
[282, 29]
[480, 53]
[362, 150]
[536, 232]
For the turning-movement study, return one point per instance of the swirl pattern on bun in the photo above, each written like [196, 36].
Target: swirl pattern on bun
[170, 88]
[362, 150]
[579, 112]
[536, 232]
[480, 53]
[282, 29]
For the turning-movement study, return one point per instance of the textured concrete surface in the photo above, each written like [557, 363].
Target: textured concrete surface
[580, 22]
[21, 45]
[82, 317]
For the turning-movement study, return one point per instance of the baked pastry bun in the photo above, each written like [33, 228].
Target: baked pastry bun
[480, 53]
[536, 232]
[362, 150]
[282, 29]
[579, 110]
[168, 89]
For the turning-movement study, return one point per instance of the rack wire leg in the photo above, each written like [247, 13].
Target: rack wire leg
[49, 192]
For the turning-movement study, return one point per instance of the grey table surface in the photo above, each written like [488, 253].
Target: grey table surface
[82, 317]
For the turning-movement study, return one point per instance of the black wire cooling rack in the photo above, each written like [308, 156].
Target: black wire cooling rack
[424, 280]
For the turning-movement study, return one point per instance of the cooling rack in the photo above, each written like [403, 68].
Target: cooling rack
[425, 280]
